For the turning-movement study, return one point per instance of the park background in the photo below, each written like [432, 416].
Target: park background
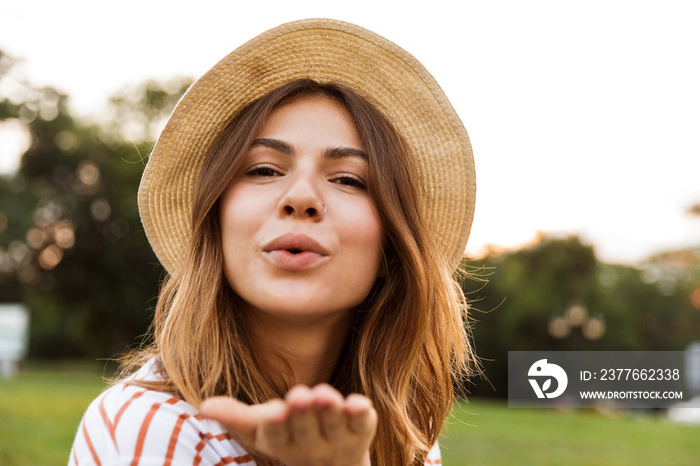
[584, 120]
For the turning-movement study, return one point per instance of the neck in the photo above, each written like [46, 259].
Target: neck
[309, 350]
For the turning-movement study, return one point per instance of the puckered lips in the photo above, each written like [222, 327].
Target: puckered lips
[295, 252]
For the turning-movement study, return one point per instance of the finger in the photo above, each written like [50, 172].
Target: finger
[236, 417]
[324, 396]
[303, 422]
[273, 435]
[362, 416]
[329, 406]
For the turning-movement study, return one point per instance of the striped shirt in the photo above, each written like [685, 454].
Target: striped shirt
[130, 426]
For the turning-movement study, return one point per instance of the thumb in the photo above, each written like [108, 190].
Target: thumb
[236, 417]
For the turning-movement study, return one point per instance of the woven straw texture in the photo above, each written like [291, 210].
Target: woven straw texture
[326, 51]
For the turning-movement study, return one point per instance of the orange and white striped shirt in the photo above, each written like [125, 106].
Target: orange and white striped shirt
[130, 426]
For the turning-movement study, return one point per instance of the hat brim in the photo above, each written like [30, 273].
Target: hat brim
[325, 51]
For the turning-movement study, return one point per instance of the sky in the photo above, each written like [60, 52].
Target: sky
[584, 116]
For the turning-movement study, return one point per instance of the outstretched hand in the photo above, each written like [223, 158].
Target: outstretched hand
[311, 426]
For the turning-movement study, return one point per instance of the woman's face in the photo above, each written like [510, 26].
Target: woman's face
[280, 256]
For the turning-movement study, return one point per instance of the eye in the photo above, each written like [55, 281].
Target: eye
[263, 171]
[349, 180]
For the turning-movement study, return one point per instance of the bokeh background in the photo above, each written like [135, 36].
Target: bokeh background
[583, 118]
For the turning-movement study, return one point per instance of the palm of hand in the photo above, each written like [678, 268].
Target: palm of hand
[310, 427]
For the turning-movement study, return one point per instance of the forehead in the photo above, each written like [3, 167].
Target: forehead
[313, 120]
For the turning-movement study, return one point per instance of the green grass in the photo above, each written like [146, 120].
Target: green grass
[41, 408]
[486, 432]
[40, 411]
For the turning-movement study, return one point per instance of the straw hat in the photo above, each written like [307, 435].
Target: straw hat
[326, 51]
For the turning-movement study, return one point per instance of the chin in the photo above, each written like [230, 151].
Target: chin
[300, 309]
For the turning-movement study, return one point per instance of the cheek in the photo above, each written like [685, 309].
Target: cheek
[364, 231]
[227, 217]
[235, 199]
[239, 222]
[242, 210]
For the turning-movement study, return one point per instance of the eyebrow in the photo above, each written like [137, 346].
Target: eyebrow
[330, 153]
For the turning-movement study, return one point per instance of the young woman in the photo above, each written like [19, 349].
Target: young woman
[310, 198]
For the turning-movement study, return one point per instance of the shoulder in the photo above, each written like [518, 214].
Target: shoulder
[434, 456]
[132, 425]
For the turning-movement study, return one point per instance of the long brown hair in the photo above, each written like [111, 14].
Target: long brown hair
[408, 341]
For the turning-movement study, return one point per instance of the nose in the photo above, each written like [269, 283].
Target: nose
[302, 198]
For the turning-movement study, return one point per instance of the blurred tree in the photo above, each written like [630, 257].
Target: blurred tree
[671, 320]
[694, 210]
[646, 308]
[73, 247]
[526, 289]
[139, 113]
